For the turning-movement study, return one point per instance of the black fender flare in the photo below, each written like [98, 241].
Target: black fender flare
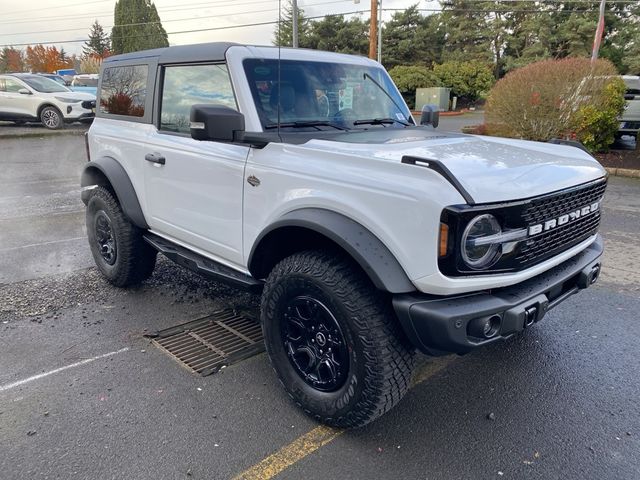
[362, 245]
[110, 169]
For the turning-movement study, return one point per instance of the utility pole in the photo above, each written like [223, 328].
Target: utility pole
[373, 29]
[380, 33]
[294, 15]
[597, 39]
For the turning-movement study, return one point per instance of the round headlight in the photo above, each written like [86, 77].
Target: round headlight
[476, 253]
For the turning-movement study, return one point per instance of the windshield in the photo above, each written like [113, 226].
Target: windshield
[43, 84]
[85, 82]
[323, 95]
[56, 79]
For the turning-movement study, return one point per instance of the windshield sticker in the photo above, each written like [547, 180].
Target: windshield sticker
[346, 98]
[400, 117]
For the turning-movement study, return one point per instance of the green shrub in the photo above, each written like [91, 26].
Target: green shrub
[554, 99]
[409, 77]
[470, 80]
[596, 126]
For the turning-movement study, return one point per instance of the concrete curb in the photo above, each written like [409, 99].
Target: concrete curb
[623, 172]
[42, 133]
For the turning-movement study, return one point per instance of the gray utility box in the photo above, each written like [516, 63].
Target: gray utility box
[433, 96]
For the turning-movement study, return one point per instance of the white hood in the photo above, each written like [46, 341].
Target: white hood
[82, 96]
[491, 169]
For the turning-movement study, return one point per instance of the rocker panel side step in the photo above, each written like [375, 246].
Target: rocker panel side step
[204, 266]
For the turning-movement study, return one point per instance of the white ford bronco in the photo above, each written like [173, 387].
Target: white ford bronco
[303, 175]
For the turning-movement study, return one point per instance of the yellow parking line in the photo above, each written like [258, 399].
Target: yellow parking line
[320, 436]
[290, 454]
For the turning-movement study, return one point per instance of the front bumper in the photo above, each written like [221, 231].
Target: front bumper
[437, 325]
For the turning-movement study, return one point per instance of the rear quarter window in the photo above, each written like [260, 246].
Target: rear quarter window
[124, 90]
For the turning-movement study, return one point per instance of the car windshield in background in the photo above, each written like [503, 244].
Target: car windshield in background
[43, 84]
[85, 82]
[323, 95]
[56, 79]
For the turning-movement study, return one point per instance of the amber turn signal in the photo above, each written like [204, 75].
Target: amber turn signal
[444, 239]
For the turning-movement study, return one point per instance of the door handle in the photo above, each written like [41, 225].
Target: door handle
[155, 158]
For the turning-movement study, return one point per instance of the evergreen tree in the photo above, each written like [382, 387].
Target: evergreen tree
[137, 26]
[410, 38]
[283, 34]
[335, 34]
[98, 44]
[469, 33]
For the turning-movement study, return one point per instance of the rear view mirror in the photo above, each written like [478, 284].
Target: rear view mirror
[24, 91]
[430, 115]
[215, 122]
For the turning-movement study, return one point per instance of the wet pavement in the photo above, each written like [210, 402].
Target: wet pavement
[83, 394]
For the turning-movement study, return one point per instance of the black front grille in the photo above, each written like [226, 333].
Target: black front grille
[558, 239]
[89, 104]
[521, 216]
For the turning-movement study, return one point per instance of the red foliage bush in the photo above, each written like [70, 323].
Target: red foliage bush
[122, 104]
[540, 101]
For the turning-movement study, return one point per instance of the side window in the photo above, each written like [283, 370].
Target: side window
[11, 86]
[124, 90]
[3, 87]
[187, 85]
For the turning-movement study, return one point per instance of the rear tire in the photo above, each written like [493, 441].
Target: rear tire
[51, 118]
[322, 297]
[117, 246]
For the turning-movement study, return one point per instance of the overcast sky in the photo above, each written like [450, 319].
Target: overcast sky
[63, 21]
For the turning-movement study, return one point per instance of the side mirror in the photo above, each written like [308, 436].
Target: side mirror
[24, 91]
[629, 96]
[430, 115]
[215, 122]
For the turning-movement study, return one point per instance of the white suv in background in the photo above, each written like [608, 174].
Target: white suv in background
[26, 97]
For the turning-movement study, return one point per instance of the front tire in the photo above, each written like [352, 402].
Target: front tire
[117, 246]
[51, 118]
[333, 339]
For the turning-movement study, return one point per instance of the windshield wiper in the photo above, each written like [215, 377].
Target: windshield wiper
[301, 124]
[365, 75]
[380, 121]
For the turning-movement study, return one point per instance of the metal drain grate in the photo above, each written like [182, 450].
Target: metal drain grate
[207, 344]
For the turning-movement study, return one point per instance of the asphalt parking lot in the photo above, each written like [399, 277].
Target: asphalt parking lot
[83, 393]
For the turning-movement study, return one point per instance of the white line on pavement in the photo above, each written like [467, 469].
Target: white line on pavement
[43, 243]
[58, 370]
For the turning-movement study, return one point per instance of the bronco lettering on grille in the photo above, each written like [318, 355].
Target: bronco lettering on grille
[563, 219]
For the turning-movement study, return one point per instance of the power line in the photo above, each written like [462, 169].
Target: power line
[170, 20]
[209, 29]
[227, 27]
[194, 6]
[57, 7]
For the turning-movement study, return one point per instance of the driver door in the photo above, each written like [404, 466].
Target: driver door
[195, 196]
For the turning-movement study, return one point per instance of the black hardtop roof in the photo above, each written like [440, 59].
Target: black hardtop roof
[201, 52]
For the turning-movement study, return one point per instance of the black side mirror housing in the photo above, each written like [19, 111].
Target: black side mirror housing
[430, 115]
[216, 123]
[24, 91]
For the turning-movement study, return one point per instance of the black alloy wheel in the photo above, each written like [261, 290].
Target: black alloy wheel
[105, 238]
[315, 344]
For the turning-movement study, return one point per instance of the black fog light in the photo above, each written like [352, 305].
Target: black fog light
[69, 108]
[484, 327]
